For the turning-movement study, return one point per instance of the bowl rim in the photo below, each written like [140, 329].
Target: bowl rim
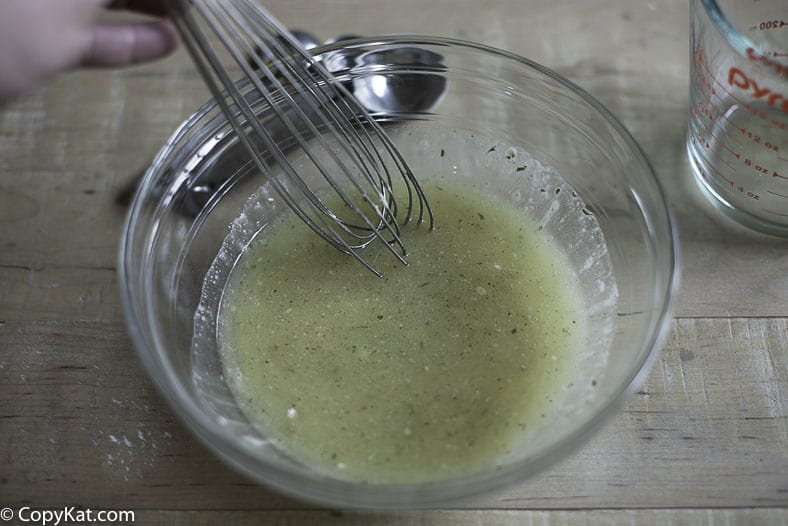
[415, 495]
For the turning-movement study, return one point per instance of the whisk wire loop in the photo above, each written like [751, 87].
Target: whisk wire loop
[350, 147]
[330, 127]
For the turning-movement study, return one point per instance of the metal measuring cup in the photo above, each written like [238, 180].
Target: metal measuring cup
[738, 119]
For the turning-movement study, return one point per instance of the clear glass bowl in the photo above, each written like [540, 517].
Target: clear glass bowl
[440, 95]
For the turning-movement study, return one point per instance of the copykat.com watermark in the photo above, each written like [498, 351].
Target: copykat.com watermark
[65, 515]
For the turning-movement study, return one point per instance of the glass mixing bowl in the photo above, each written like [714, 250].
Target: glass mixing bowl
[524, 134]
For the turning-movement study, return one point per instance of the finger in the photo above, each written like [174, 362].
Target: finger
[150, 7]
[113, 45]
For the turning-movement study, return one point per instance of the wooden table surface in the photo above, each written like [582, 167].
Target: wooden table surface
[705, 441]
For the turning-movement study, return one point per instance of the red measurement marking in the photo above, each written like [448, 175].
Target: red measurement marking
[719, 111]
[718, 139]
[706, 176]
[708, 163]
[775, 193]
[747, 134]
[740, 188]
[703, 79]
[720, 174]
[757, 139]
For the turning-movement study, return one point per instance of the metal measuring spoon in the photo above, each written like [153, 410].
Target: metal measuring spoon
[417, 91]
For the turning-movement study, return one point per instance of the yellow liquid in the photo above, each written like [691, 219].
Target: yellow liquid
[436, 370]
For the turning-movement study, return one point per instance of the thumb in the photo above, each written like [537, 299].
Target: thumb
[113, 45]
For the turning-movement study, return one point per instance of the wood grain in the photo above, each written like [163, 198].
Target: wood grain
[81, 423]
[69, 150]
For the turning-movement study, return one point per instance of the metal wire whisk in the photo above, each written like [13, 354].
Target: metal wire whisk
[345, 149]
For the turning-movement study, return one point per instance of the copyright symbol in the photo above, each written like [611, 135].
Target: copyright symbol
[6, 514]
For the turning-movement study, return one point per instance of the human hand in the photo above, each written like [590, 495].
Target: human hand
[39, 38]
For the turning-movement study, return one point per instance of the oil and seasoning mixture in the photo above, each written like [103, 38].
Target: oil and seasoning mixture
[434, 371]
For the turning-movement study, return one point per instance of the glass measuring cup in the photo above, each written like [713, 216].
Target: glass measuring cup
[738, 119]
